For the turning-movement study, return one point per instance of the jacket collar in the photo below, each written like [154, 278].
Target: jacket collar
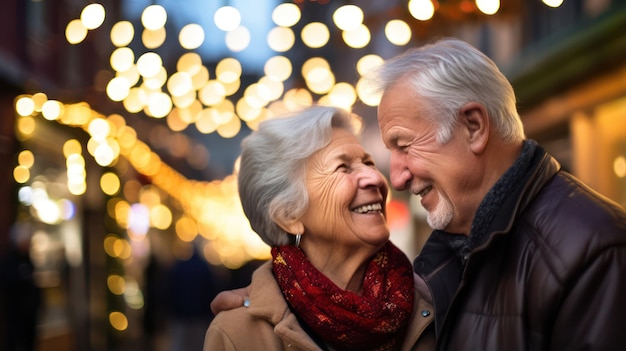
[543, 168]
[267, 303]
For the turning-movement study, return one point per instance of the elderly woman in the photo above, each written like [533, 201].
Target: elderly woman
[335, 281]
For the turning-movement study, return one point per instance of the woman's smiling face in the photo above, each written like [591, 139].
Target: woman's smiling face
[347, 195]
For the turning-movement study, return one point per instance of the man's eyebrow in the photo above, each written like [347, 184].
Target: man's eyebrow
[392, 139]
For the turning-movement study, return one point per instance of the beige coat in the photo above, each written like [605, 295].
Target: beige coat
[268, 324]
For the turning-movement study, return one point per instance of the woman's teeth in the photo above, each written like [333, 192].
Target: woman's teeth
[377, 207]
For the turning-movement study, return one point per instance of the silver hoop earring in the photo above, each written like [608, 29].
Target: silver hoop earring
[298, 238]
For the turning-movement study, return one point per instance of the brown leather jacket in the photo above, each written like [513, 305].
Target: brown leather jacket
[551, 274]
[268, 324]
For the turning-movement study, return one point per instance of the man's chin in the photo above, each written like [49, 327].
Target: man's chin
[437, 222]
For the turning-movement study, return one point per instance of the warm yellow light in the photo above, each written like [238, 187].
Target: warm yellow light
[230, 128]
[118, 320]
[280, 39]
[135, 101]
[24, 105]
[314, 64]
[39, 99]
[175, 121]
[315, 35]
[278, 68]
[122, 59]
[155, 82]
[153, 17]
[226, 111]
[184, 100]
[160, 217]
[619, 166]
[26, 125]
[149, 64]
[342, 95]
[227, 18]
[206, 122]
[191, 36]
[70, 147]
[92, 16]
[26, 158]
[126, 137]
[21, 174]
[367, 63]
[274, 87]
[212, 93]
[238, 39]
[75, 32]
[357, 38]
[131, 75]
[232, 87]
[153, 38]
[110, 183]
[199, 79]
[488, 7]
[247, 112]
[122, 33]
[179, 84]
[77, 188]
[257, 95]
[297, 98]
[159, 105]
[228, 70]
[189, 115]
[52, 110]
[367, 93]
[323, 85]
[553, 3]
[118, 88]
[422, 10]
[286, 14]
[398, 32]
[186, 229]
[348, 17]
[190, 62]
[104, 155]
[116, 284]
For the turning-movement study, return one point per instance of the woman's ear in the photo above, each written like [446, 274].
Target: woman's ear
[291, 226]
[475, 118]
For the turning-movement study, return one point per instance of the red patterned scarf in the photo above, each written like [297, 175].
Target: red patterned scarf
[375, 320]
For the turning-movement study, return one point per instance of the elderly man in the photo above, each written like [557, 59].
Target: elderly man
[523, 255]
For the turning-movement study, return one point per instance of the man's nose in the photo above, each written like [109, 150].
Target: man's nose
[399, 173]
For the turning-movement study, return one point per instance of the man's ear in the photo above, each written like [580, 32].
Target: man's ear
[475, 118]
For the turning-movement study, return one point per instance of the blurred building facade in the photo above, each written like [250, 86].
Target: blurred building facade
[567, 65]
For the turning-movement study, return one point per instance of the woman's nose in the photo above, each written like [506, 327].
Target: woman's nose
[371, 176]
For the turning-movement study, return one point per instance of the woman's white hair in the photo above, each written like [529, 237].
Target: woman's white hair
[272, 171]
[448, 74]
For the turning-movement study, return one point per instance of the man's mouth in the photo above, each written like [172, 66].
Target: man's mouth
[370, 208]
[424, 191]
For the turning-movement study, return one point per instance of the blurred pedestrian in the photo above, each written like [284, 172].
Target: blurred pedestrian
[21, 297]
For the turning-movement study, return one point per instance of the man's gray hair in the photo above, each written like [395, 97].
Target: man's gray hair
[447, 74]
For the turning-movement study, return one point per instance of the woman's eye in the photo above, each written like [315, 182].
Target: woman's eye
[342, 167]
